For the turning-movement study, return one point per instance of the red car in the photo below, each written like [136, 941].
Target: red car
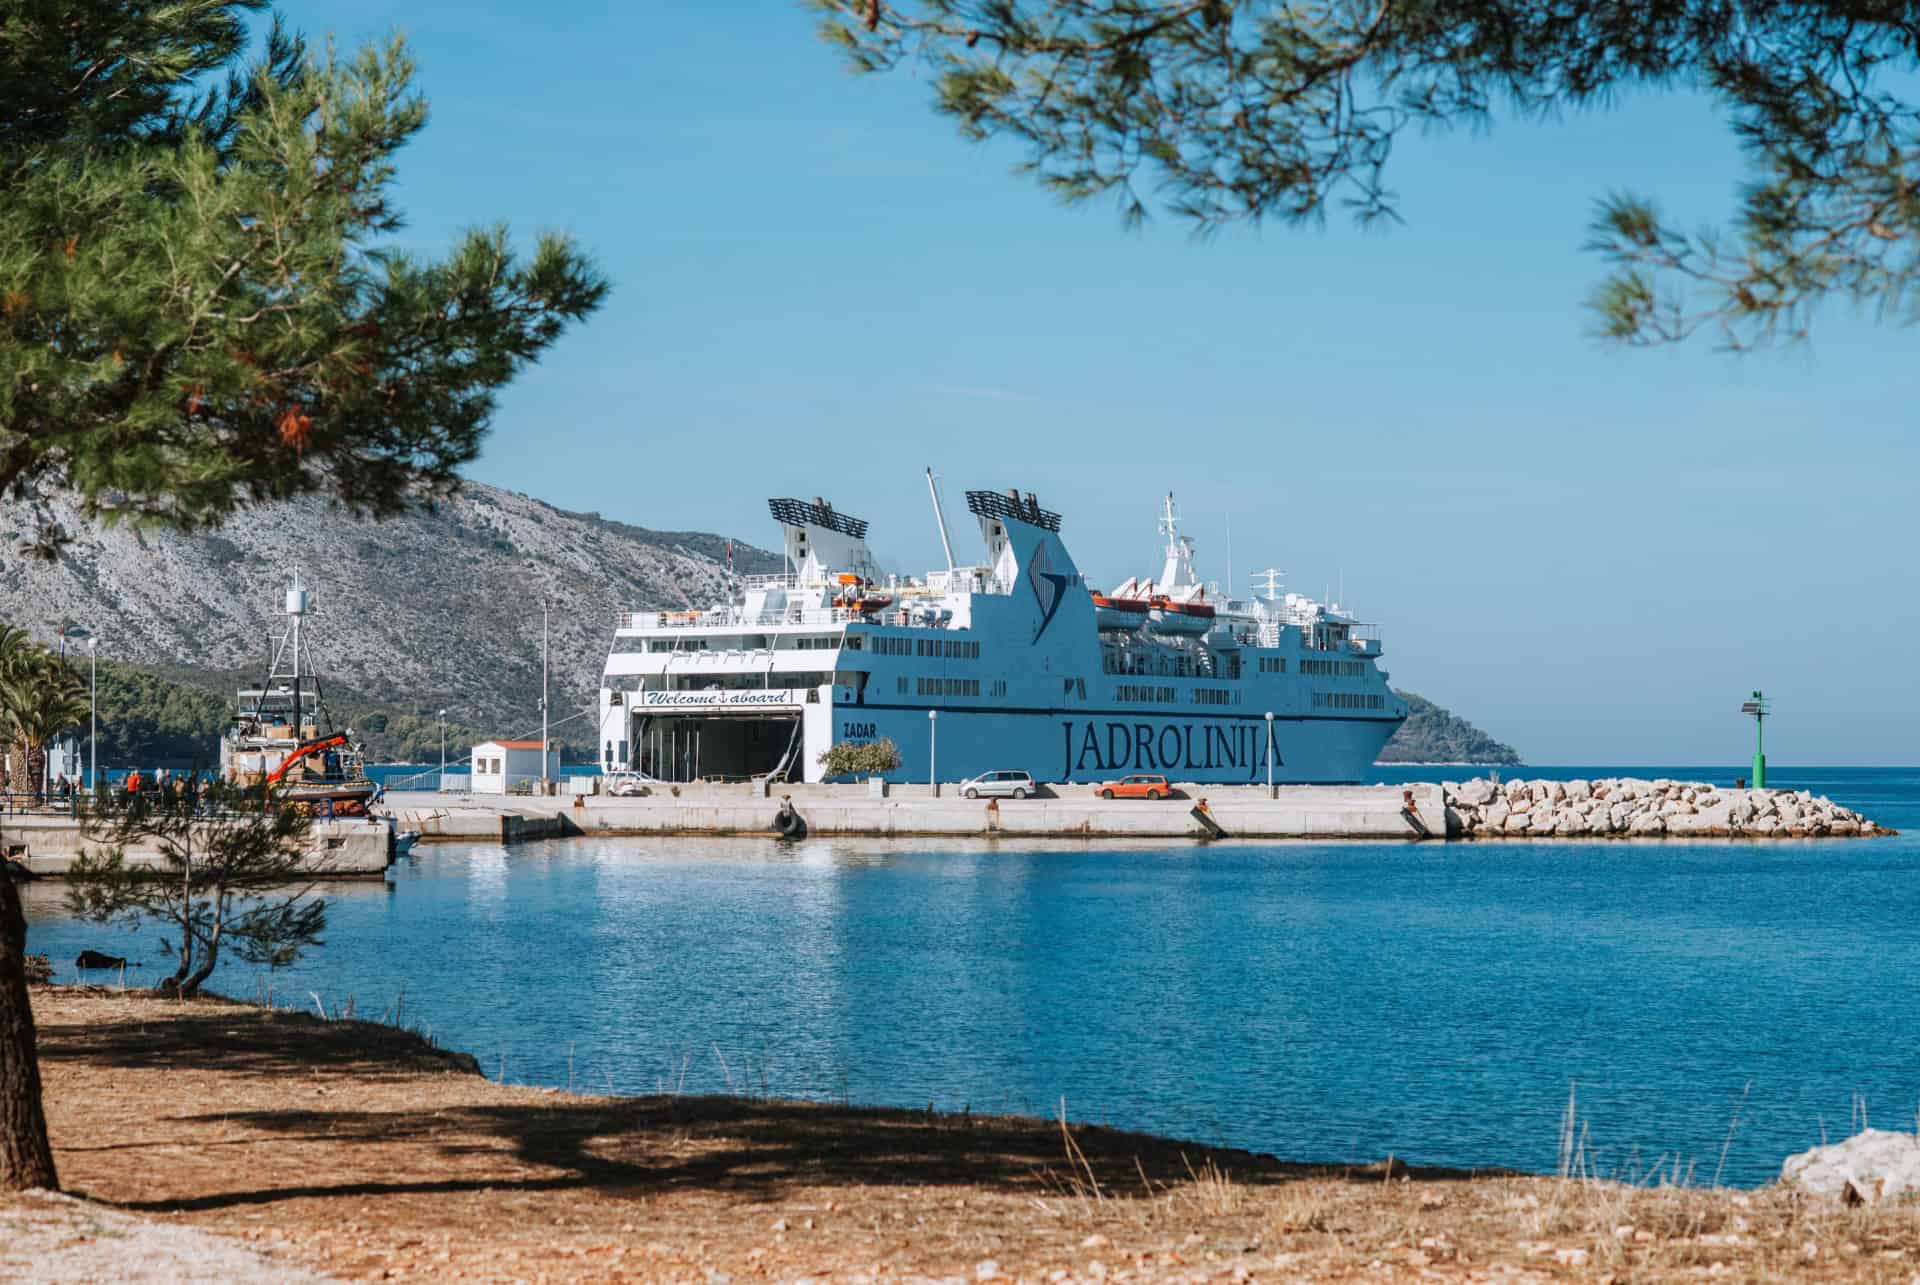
[1137, 787]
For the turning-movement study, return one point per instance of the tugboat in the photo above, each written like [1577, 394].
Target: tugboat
[282, 738]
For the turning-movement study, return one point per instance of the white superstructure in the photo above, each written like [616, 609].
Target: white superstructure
[1011, 662]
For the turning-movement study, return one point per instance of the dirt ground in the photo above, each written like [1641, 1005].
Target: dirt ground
[364, 1153]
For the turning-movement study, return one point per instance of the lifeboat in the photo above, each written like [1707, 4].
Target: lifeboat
[1170, 616]
[1120, 613]
[868, 605]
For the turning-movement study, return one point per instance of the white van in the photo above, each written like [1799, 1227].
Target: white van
[1004, 785]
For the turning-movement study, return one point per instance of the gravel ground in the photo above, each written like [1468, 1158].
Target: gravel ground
[45, 1237]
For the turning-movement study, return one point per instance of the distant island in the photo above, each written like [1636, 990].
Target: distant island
[1435, 735]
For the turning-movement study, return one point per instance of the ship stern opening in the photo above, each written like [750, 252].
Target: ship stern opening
[717, 747]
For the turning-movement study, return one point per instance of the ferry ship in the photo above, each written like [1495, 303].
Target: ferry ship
[1011, 662]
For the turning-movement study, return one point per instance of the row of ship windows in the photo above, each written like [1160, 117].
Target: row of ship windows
[783, 642]
[936, 648]
[1348, 700]
[1336, 668]
[1169, 695]
[924, 686]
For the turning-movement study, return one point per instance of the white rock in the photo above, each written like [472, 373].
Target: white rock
[1474, 793]
[1865, 1169]
[1647, 823]
[1578, 790]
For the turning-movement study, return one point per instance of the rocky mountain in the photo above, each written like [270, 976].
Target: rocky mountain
[432, 610]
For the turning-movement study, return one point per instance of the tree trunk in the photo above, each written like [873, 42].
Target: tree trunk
[26, 1158]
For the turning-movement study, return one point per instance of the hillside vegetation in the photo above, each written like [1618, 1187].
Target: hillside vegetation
[1435, 735]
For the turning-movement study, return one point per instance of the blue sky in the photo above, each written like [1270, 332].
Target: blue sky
[821, 289]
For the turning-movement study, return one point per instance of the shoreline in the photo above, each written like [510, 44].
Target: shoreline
[364, 1152]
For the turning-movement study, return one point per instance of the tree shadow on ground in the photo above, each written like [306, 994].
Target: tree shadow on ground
[626, 1147]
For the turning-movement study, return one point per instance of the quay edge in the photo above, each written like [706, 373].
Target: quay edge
[46, 846]
[1409, 812]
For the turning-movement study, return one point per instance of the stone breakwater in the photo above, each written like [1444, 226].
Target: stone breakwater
[1624, 807]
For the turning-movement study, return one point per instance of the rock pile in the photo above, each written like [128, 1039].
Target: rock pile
[1872, 1166]
[1624, 807]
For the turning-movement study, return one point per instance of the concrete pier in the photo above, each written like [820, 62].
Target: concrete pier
[1299, 812]
[47, 845]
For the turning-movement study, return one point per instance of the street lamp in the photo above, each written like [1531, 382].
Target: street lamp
[77, 633]
[1270, 793]
[443, 751]
[933, 777]
[1759, 707]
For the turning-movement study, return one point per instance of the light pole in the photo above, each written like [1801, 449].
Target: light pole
[1270, 754]
[544, 788]
[933, 725]
[76, 632]
[93, 711]
[443, 750]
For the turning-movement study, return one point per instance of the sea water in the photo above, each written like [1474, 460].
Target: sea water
[1717, 1005]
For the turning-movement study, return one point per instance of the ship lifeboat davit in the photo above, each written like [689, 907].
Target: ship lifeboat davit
[1120, 613]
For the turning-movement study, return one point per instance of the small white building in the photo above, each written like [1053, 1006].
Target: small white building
[501, 767]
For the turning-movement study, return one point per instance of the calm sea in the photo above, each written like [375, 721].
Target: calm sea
[1438, 1002]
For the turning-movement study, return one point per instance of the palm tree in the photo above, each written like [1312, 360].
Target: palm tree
[15, 646]
[41, 696]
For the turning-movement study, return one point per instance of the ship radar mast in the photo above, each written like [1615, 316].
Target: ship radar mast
[1178, 571]
[1268, 582]
[283, 693]
[296, 608]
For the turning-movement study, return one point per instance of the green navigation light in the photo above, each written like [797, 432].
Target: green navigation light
[1759, 707]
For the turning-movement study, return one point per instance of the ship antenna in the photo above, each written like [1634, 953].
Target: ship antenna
[1229, 557]
[940, 517]
[296, 607]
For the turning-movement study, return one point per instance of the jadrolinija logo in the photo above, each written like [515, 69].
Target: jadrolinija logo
[1049, 588]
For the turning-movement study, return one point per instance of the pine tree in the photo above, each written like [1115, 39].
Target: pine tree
[234, 874]
[199, 308]
[1243, 110]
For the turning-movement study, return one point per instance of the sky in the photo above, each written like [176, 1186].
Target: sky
[821, 289]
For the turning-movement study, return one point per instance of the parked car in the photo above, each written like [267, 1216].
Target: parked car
[625, 784]
[1005, 785]
[1138, 786]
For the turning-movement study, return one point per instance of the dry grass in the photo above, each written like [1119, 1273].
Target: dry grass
[363, 1152]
